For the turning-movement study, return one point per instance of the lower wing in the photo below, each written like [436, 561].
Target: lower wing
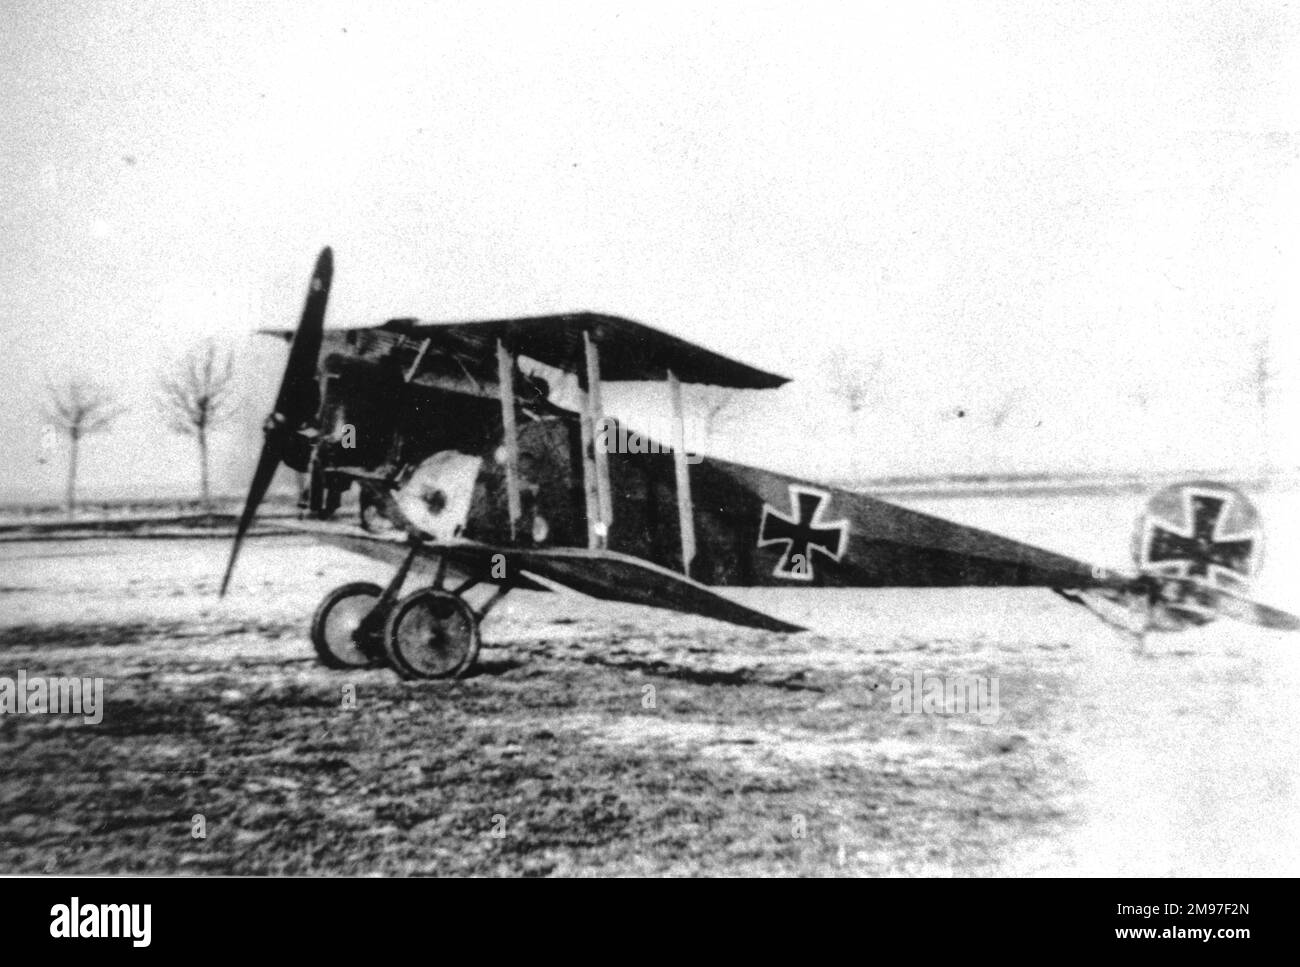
[606, 575]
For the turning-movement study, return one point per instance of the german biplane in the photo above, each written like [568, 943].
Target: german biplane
[470, 473]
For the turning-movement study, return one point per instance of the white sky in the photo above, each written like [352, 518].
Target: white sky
[1075, 206]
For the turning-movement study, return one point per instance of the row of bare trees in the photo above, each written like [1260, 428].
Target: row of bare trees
[195, 396]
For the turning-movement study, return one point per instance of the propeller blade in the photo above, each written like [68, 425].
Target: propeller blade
[267, 464]
[296, 402]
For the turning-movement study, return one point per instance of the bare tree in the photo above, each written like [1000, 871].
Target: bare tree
[1263, 377]
[196, 396]
[854, 379]
[79, 408]
[1001, 410]
[1257, 381]
[1263, 374]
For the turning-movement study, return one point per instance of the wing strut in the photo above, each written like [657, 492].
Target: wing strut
[600, 433]
[685, 505]
[588, 465]
[506, 379]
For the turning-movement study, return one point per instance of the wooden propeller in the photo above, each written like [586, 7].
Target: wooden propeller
[295, 404]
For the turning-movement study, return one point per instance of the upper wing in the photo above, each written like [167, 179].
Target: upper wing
[628, 350]
[606, 575]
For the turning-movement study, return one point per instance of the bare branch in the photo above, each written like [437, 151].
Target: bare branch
[79, 407]
[197, 392]
[1004, 407]
[854, 379]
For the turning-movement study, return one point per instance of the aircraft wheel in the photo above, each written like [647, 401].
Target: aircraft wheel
[431, 634]
[337, 625]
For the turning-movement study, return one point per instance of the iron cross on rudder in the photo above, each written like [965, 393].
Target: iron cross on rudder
[802, 533]
[1202, 546]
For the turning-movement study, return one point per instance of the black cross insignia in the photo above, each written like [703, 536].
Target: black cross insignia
[802, 533]
[1202, 548]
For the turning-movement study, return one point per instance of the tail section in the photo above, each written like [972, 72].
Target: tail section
[1197, 547]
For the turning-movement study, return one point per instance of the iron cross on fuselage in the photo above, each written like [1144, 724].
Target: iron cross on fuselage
[802, 533]
[1202, 549]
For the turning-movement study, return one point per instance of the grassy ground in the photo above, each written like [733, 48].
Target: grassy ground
[618, 740]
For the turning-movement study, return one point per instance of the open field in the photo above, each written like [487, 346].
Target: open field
[762, 754]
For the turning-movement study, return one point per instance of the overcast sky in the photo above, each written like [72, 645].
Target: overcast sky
[1074, 220]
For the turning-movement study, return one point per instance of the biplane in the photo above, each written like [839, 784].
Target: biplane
[471, 473]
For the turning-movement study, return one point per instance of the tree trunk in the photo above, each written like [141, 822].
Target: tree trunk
[71, 502]
[203, 467]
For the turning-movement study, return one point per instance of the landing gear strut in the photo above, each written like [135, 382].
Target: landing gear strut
[430, 633]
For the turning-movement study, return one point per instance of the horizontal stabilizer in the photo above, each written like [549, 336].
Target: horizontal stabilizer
[1231, 605]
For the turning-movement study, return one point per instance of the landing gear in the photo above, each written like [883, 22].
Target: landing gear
[342, 630]
[431, 634]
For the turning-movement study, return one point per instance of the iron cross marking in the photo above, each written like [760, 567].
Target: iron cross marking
[802, 532]
[1201, 550]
